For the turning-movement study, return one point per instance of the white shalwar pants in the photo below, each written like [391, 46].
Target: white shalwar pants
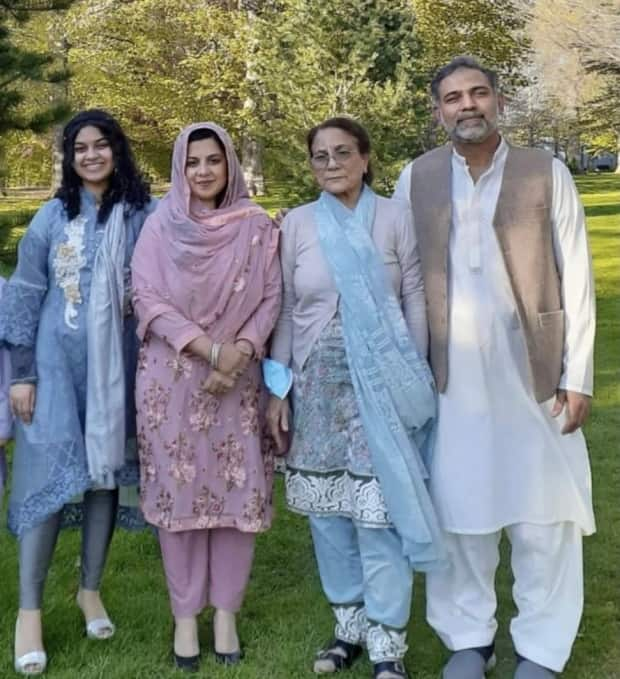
[547, 567]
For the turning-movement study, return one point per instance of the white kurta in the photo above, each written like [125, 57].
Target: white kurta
[500, 458]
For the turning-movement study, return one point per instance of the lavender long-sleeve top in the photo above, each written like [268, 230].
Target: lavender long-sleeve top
[310, 298]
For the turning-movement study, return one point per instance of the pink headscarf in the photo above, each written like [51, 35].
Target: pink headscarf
[199, 261]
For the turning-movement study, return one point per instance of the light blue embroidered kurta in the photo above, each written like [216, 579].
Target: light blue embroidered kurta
[44, 305]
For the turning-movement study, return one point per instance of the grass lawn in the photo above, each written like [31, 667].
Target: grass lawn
[285, 618]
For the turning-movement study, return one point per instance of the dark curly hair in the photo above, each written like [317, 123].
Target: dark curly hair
[126, 182]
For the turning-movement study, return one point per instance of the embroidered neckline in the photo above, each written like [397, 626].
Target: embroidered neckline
[68, 261]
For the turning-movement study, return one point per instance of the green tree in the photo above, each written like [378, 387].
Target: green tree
[158, 65]
[491, 30]
[268, 70]
[349, 57]
[19, 66]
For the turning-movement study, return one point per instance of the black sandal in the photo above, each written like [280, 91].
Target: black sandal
[396, 668]
[339, 661]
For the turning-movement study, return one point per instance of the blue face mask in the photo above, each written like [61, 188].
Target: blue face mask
[278, 378]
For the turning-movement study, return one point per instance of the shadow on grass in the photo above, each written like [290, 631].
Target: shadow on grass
[603, 210]
[598, 183]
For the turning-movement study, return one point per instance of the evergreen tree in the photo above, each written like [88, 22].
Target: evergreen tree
[19, 66]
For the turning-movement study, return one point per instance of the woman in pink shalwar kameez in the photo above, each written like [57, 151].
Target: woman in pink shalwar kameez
[205, 271]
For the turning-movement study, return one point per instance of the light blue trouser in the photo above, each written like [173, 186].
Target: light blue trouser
[368, 583]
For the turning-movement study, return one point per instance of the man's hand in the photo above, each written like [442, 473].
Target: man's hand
[22, 397]
[278, 415]
[577, 409]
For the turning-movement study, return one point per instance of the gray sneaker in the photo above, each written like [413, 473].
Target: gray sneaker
[526, 669]
[470, 663]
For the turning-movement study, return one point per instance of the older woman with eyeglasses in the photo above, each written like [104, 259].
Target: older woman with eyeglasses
[352, 335]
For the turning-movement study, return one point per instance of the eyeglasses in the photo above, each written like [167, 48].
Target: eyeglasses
[320, 160]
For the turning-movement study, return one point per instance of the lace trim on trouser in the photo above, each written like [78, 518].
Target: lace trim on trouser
[351, 623]
[385, 643]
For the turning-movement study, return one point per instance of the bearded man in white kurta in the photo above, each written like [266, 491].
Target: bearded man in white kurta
[510, 297]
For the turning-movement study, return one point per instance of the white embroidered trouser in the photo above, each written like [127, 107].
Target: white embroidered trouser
[367, 581]
[548, 591]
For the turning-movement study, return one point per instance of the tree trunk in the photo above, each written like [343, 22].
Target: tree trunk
[62, 93]
[252, 165]
[56, 159]
[251, 149]
[3, 170]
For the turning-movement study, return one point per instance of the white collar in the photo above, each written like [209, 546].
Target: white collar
[498, 157]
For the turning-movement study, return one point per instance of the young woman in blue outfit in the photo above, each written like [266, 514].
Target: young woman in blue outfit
[66, 318]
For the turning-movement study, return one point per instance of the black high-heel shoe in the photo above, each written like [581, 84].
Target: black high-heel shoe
[187, 663]
[233, 658]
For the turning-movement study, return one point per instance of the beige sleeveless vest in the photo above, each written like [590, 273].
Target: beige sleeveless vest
[524, 231]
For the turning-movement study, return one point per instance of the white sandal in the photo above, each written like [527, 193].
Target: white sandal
[100, 628]
[97, 628]
[32, 662]
[36, 660]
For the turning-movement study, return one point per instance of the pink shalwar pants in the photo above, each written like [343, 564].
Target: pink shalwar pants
[209, 566]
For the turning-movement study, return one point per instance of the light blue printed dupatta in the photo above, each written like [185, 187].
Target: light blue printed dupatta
[393, 384]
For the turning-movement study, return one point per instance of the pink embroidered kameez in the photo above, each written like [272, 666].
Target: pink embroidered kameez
[205, 459]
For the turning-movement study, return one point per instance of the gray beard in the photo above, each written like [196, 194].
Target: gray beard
[474, 134]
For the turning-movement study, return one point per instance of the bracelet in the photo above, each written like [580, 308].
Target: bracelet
[214, 354]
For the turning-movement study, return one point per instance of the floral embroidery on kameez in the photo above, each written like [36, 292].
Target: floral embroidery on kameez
[254, 511]
[181, 366]
[249, 409]
[182, 466]
[203, 409]
[164, 505]
[231, 462]
[148, 469]
[208, 508]
[68, 261]
[155, 404]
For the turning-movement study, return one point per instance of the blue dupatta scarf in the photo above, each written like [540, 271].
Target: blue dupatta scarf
[393, 385]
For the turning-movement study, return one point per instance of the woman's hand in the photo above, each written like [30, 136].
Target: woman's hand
[22, 397]
[245, 347]
[278, 416]
[232, 362]
[218, 384]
